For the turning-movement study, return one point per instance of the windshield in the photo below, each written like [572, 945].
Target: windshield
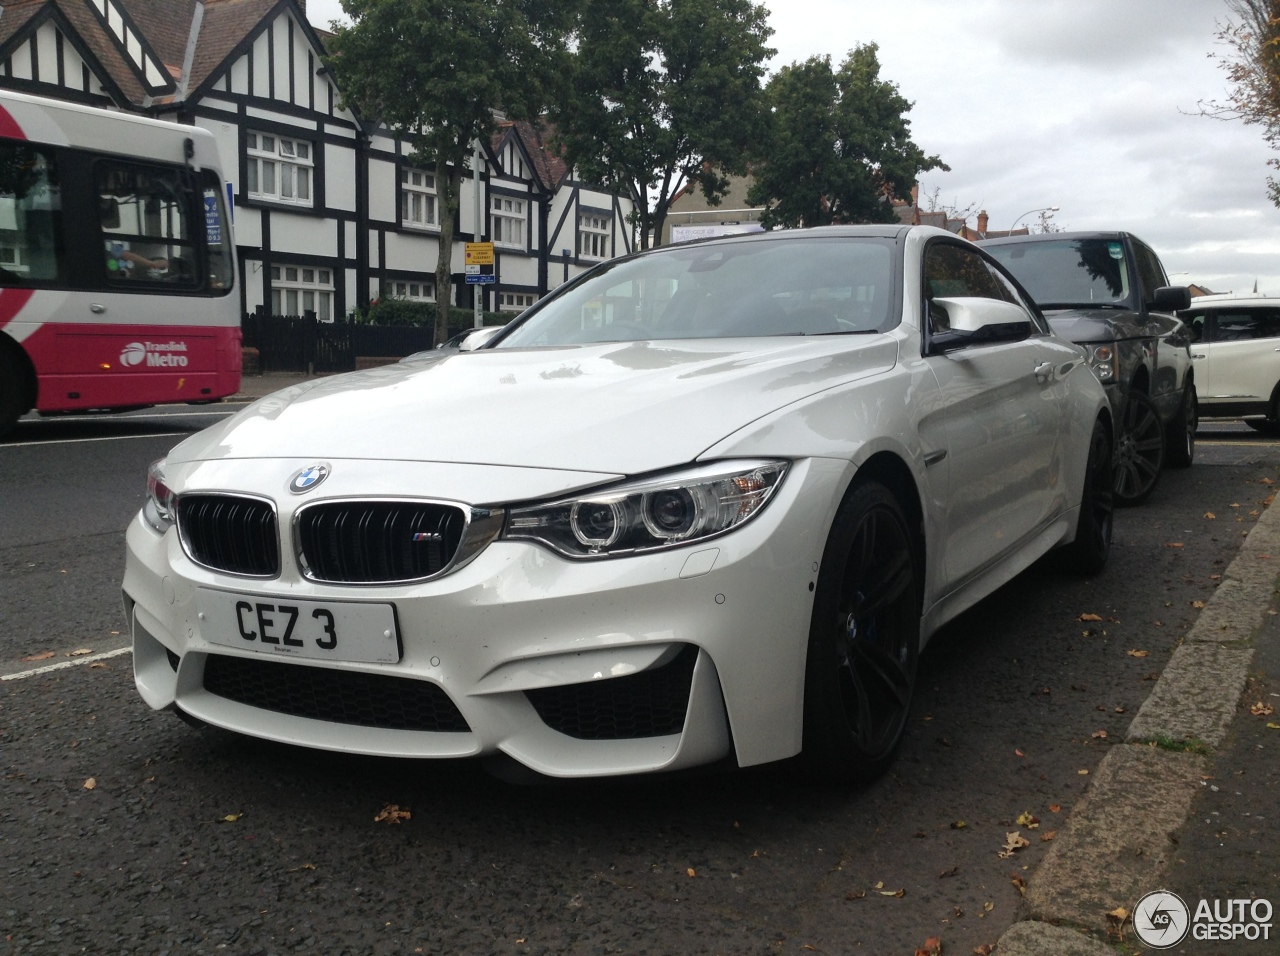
[816, 286]
[1068, 272]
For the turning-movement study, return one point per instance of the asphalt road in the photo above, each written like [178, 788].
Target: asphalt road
[198, 840]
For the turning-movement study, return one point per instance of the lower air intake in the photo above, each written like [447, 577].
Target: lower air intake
[649, 704]
[340, 697]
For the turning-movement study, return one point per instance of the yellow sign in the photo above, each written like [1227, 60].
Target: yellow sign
[479, 253]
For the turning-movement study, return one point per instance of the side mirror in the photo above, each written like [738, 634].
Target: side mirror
[479, 337]
[971, 320]
[1172, 298]
[109, 212]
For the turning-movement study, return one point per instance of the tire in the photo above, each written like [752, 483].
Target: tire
[864, 640]
[1265, 426]
[1087, 554]
[1180, 434]
[1139, 450]
[13, 392]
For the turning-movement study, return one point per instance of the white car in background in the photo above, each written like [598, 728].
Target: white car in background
[704, 504]
[1235, 349]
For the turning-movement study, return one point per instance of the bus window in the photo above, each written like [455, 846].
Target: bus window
[145, 216]
[217, 235]
[30, 217]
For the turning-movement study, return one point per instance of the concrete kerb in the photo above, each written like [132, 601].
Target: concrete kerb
[1118, 842]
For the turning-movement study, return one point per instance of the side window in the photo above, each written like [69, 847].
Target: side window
[1196, 324]
[1244, 324]
[952, 271]
[1150, 273]
[145, 215]
[31, 247]
[217, 235]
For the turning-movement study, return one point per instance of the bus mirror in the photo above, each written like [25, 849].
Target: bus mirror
[109, 212]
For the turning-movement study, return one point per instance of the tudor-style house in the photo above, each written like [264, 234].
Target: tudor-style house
[329, 213]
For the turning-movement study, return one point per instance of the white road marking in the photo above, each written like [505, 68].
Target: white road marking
[62, 665]
[73, 441]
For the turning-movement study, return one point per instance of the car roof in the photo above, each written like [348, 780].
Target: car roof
[1051, 236]
[1224, 299]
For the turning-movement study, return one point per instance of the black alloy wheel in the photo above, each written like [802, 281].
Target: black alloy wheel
[1088, 553]
[864, 639]
[1180, 435]
[1139, 450]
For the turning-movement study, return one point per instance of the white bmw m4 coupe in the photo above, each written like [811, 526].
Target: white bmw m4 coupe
[704, 504]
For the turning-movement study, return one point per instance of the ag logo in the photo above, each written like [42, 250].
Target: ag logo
[303, 481]
[1161, 919]
[133, 354]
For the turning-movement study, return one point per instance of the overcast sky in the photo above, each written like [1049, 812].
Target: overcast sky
[1081, 104]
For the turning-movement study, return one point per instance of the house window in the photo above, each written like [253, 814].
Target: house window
[424, 291]
[299, 289]
[515, 301]
[508, 221]
[279, 169]
[418, 198]
[593, 237]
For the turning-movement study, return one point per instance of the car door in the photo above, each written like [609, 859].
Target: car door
[1004, 419]
[1240, 354]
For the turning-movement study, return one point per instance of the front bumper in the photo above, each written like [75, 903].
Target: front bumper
[728, 619]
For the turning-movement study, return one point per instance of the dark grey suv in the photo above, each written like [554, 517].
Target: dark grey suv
[1108, 292]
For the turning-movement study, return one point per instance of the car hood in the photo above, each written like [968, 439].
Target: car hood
[621, 408]
[1098, 325]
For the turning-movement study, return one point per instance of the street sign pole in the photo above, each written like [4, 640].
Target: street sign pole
[477, 295]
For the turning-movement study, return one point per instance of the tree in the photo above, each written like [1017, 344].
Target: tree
[433, 71]
[664, 94]
[1253, 68]
[839, 146]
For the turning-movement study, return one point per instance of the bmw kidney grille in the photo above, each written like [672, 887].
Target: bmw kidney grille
[230, 533]
[377, 542]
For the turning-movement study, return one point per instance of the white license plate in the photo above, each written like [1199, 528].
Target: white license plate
[321, 630]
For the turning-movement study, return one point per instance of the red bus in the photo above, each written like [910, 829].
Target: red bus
[116, 262]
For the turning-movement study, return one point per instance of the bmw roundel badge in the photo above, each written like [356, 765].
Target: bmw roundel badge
[306, 479]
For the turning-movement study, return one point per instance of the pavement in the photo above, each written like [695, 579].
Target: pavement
[1153, 818]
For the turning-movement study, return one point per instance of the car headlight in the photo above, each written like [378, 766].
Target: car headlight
[158, 511]
[1104, 361]
[650, 514]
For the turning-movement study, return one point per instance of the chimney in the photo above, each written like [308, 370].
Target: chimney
[982, 223]
[915, 195]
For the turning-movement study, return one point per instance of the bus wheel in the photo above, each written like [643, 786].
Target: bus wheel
[15, 396]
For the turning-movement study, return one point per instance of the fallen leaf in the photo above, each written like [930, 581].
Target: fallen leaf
[1197, 604]
[1254, 514]
[90, 784]
[951, 872]
[1048, 835]
[1099, 735]
[988, 906]
[810, 946]
[856, 895]
[1261, 709]
[1138, 653]
[1018, 752]
[690, 872]
[1272, 726]
[1175, 544]
[42, 656]
[231, 817]
[959, 825]
[1017, 880]
[305, 866]
[1266, 481]
[1152, 676]
[1025, 819]
[1210, 514]
[932, 947]
[392, 813]
[898, 893]
[80, 652]
[1055, 808]
[1120, 710]
[1089, 617]
[1082, 773]
[1012, 843]
[986, 949]
[1119, 914]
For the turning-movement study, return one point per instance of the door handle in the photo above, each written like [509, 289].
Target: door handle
[1044, 372]
[97, 309]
